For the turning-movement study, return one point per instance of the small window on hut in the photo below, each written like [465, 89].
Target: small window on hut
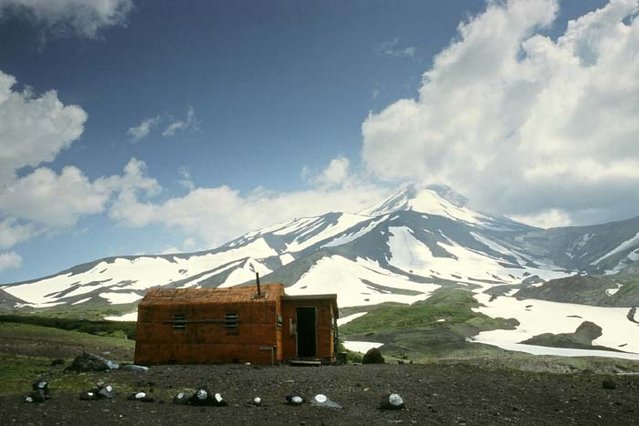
[179, 322]
[231, 320]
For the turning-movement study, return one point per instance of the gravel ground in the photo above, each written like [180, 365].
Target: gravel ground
[440, 393]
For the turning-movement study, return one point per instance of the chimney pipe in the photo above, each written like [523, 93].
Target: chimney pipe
[257, 280]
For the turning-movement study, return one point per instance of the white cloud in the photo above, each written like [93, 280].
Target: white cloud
[12, 232]
[83, 17]
[392, 48]
[190, 122]
[336, 174]
[521, 123]
[52, 199]
[10, 260]
[143, 129]
[215, 215]
[33, 130]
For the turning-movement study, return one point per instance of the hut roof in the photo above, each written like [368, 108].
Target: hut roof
[269, 292]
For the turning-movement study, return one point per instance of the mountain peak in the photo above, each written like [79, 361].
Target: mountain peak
[440, 200]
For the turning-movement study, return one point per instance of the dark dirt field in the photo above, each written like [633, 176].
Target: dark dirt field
[476, 391]
[441, 393]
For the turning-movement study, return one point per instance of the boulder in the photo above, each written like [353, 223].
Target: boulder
[90, 395]
[202, 396]
[41, 386]
[106, 391]
[90, 362]
[181, 398]
[373, 356]
[391, 401]
[36, 396]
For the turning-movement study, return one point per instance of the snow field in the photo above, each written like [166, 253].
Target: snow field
[541, 316]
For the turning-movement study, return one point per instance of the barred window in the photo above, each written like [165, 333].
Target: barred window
[231, 320]
[179, 322]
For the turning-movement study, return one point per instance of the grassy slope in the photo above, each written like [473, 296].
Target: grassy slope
[100, 328]
[26, 352]
[436, 327]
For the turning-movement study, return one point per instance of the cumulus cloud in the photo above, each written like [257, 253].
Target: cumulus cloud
[12, 232]
[143, 129]
[521, 123]
[336, 174]
[190, 122]
[214, 215]
[52, 199]
[82, 17]
[10, 260]
[33, 129]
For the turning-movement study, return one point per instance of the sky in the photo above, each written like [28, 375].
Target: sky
[156, 126]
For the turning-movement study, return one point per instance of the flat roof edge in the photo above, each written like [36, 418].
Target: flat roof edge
[309, 297]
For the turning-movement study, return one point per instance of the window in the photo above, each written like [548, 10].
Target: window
[280, 321]
[179, 322]
[231, 320]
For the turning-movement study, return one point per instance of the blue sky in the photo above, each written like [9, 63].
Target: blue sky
[134, 126]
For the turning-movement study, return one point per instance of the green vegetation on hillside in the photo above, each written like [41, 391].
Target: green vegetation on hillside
[433, 328]
[620, 290]
[27, 351]
[445, 306]
[99, 328]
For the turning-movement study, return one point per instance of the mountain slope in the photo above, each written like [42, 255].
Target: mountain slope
[399, 250]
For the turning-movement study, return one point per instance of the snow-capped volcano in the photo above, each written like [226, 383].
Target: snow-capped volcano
[399, 250]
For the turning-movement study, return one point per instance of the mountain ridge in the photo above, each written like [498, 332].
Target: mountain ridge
[419, 235]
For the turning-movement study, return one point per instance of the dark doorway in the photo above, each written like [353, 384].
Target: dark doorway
[306, 332]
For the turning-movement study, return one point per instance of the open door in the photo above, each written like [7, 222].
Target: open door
[306, 332]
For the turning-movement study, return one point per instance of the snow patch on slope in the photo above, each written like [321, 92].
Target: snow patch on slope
[621, 247]
[540, 316]
[139, 273]
[341, 276]
[410, 254]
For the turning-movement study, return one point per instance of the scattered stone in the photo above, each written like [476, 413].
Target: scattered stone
[321, 400]
[89, 396]
[102, 391]
[140, 396]
[38, 395]
[90, 362]
[41, 386]
[202, 396]
[134, 367]
[181, 398]
[609, 384]
[256, 402]
[391, 401]
[218, 401]
[294, 399]
[373, 356]
[106, 391]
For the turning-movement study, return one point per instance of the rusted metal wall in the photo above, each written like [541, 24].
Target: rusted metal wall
[325, 344]
[205, 339]
[188, 325]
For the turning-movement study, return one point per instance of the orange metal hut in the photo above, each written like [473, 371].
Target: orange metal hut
[236, 324]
